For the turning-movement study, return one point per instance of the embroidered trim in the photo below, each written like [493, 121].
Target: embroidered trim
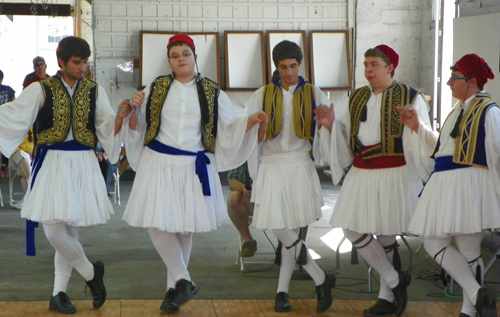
[158, 94]
[81, 112]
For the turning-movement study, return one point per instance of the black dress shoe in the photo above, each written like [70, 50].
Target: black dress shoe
[486, 302]
[96, 285]
[324, 292]
[282, 303]
[62, 304]
[463, 315]
[185, 291]
[401, 292]
[169, 304]
[381, 308]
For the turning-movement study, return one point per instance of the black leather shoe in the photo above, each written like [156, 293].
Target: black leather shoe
[185, 291]
[401, 292]
[324, 292]
[282, 303]
[96, 285]
[381, 308]
[169, 304]
[62, 304]
[463, 315]
[486, 302]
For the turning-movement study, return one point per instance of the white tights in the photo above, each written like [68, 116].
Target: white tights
[457, 263]
[69, 255]
[175, 250]
[288, 259]
[375, 255]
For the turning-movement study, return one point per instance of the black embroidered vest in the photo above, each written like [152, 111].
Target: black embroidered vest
[208, 95]
[60, 112]
[392, 130]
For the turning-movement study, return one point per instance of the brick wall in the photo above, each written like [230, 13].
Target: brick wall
[394, 22]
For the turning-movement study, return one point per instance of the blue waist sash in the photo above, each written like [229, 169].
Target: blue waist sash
[445, 163]
[41, 152]
[201, 162]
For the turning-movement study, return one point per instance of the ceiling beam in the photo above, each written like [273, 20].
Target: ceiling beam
[12, 8]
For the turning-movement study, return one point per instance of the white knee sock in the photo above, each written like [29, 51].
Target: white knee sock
[288, 238]
[62, 274]
[286, 270]
[454, 263]
[69, 248]
[186, 241]
[171, 251]
[470, 247]
[385, 291]
[374, 254]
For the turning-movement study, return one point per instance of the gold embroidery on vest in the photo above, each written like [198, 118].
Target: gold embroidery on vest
[81, 112]
[301, 107]
[210, 89]
[273, 104]
[396, 95]
[159, 93]
[61, 111]
[466, 142]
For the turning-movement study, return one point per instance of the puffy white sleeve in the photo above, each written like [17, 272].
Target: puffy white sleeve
[492, 143]
[336, 150]
[233, 144]
[418, 147]
[18, 116]
[105, 126]
[133, 140]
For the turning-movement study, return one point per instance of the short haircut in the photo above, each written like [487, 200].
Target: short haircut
[373, 52]
[1, 75]
[72, 46]
[285, 50]
[180, 43]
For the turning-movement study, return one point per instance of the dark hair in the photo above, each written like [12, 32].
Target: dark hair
[72, 46]
[285, 50]
[180, 43]
[1, 75]
[373, 52]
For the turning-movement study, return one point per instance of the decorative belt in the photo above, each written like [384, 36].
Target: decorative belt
[370, 157]
[201, 162]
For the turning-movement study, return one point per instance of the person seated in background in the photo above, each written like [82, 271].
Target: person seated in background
[107, 168]
[21, 163]
[239, 207]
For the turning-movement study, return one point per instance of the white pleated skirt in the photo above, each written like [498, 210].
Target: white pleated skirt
[69, 188]
[460, 201]
[377, 201]
[287, 192]
[167, 195]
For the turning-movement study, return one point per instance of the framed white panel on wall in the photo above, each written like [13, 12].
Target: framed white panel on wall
[244, 60]
[153, 56]
[299, 37]
[330, 62]
[154, 59]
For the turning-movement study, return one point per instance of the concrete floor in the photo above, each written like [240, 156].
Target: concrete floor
[135, 271]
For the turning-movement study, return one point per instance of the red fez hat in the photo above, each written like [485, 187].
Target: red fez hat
[473, 66]
[390, 53]
[180, 38]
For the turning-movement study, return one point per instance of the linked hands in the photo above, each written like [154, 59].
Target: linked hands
[409, 117]
[260, 118]
[325, 116]
[137, 100]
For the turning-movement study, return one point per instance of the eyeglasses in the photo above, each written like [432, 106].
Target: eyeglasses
[39, 65]
[452, 78]
[176, 57]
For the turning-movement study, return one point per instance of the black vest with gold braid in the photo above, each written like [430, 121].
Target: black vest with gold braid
[304, 103]
[396, 95]
[60, 112]
[470, 148]
[208, 95]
